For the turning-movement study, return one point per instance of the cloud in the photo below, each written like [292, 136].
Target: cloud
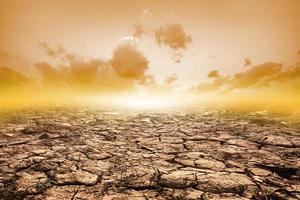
[264, 75]
[149, 83]
[55, 51]
[138, 31]
[85, 76]
[172, 36]
[49, 75]
[128, 62]
[247, 62]
[12, 78]
[147, 80]
[81, 72]
[144, 25]
[77, 71]
[90, 74]
[213, 74]
[171, 79]
[259, 75]
[204, 87]
[291, 73]
[216, 84]
[14, 61]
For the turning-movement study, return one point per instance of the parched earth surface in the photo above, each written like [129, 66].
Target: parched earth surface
[84, 154]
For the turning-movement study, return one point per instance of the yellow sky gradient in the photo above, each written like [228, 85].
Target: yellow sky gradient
[158, 45]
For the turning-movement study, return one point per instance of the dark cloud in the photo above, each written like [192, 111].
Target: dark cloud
[213, 74]
[128, 62]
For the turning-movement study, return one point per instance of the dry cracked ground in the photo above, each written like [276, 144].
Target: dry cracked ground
[77, 154]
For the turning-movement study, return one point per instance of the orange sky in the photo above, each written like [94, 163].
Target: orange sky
[217, 35]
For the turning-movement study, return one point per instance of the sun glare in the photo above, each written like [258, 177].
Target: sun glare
[145, 102]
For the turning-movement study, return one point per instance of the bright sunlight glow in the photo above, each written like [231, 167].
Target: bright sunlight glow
[145, 102]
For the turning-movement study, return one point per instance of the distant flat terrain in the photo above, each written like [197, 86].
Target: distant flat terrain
[74, 154]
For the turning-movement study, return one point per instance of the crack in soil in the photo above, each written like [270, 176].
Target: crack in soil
[84, 154]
